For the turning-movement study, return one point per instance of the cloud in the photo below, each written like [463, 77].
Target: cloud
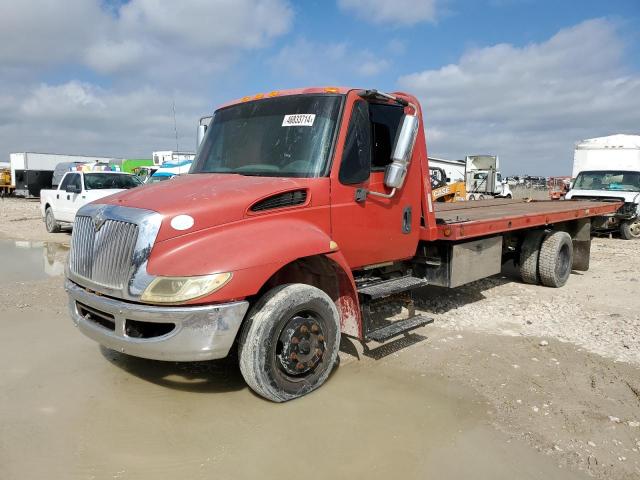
[43, 32]
[531, 104]
[78, 117]
[396, 12]
[193, 34]
[334, 63]
[138, 36]
[118, 67]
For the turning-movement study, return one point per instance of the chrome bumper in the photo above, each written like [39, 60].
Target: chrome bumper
[200, 332]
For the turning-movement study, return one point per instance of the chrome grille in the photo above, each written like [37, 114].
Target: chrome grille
[103, 257]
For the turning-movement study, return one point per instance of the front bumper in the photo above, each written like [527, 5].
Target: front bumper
[199, 332]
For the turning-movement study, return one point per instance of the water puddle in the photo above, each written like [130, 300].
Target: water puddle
[22, 261]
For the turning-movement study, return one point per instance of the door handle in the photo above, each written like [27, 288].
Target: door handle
[406, 220]
[68, 197]
[57, 196]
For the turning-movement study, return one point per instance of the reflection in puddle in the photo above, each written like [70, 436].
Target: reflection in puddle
[24, 261]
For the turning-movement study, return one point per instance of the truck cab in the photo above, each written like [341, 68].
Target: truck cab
[608, 168]
[616, 185]
[483, 178]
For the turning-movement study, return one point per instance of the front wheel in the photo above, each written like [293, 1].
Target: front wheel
[630, 230]
[289, 342]
[50, 221]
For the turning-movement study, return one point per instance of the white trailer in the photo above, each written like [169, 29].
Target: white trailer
[455, 169]
[171, 156]
[483, 178]
[33, 171]
[615, 152]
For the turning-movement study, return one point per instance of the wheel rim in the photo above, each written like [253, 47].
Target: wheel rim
[634, 228]
[301, 345]
[563, 267]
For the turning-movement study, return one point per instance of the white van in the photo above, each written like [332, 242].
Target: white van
[609, 168]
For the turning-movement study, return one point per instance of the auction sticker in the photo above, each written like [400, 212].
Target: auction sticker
[299, 120]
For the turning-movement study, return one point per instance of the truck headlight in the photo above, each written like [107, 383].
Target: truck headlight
[181, 289]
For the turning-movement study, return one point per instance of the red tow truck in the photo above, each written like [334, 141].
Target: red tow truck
[306, 213]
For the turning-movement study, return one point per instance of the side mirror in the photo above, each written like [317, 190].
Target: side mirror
[202, 129]
[401, 152]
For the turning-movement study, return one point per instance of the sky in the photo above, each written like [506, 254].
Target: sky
[523, 79]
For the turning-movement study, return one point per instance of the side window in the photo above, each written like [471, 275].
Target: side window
[66, 180]
[75, 181]
[385, 120]
[356, 158]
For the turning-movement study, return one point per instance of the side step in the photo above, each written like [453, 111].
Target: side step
[390, 287]
[398, 328]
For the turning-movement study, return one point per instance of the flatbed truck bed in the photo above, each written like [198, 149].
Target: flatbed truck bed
[464, 220]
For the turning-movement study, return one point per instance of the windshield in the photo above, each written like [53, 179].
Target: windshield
[98, 181]
[608, 180]
[158, 178]
[287, 136]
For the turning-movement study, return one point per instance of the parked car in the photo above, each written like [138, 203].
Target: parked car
[76, 189]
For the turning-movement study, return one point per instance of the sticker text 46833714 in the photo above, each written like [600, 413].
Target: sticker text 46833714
[299, 120]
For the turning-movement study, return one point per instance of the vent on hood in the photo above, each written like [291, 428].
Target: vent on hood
[280, 200]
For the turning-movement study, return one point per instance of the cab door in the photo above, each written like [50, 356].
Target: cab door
[369, 229]
[66, 199]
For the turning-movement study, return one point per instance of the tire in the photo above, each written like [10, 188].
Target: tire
[556, 259]
[529, 255]
[630, 230]
[472, 197]
[274, 335]
[481, 197]
[50, 221]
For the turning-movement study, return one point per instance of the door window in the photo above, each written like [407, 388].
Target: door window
[385, 120]
[66, 180]
[75, 181]
[356, 158]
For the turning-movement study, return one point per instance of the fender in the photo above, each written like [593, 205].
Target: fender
[252, 249]
[348, 303]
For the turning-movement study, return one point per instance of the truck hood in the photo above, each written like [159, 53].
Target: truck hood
[210, 199]
[633, 197]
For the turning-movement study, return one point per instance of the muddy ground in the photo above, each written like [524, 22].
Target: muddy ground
[511, 381]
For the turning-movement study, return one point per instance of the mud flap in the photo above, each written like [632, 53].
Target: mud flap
[581, 244]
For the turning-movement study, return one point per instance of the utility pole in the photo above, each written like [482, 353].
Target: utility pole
[175, 125]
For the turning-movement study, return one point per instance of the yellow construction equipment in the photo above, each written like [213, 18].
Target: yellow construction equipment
[441, 191]
[5, 182]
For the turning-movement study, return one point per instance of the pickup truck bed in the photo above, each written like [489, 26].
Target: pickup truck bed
[462, 220]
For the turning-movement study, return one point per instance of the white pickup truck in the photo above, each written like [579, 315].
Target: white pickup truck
[76, 190]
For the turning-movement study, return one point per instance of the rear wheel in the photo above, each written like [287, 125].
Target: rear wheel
[529, 254]
[289, 342]
[630, 230]
[50, 221]
[472, 197]
[556, 259]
